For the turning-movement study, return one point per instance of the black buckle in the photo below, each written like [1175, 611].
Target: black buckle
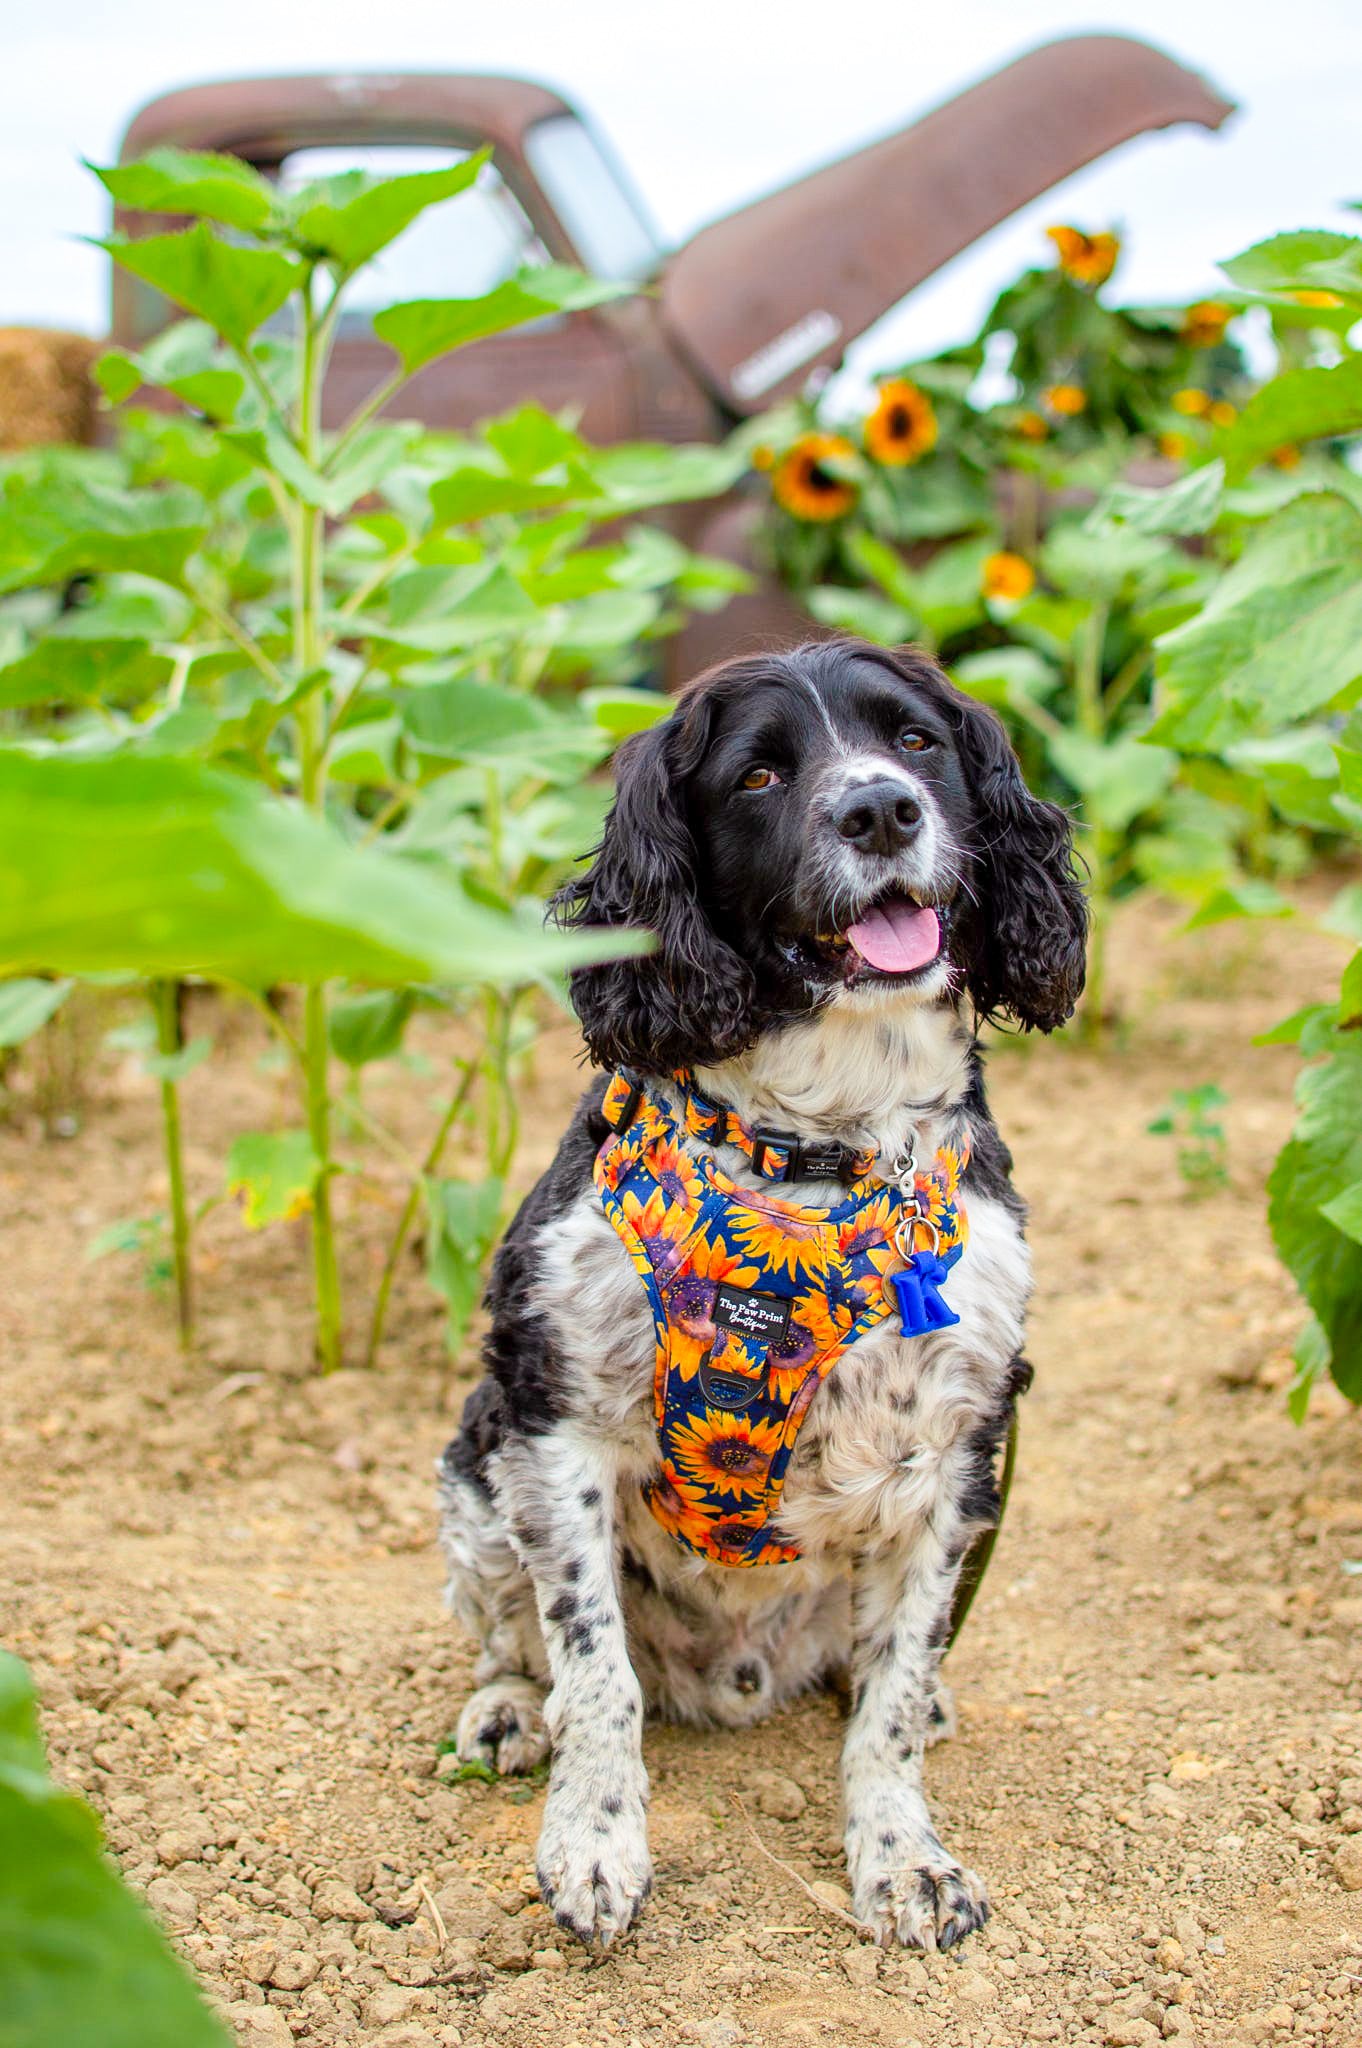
[631, 1100]
[803, 1161]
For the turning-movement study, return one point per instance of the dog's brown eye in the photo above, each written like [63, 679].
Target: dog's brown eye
[760, 778]
[913, 742]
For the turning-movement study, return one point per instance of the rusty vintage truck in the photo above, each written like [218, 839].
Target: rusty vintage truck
[744, 314]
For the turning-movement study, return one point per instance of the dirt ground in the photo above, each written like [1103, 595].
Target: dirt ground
[224, 1575]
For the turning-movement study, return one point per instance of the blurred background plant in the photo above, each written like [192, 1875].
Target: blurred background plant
[1033, 506]
[315, 717]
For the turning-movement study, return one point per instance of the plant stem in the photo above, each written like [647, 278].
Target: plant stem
[410, 1207]
[165, 1001]
[1092, 722]
[308, 541]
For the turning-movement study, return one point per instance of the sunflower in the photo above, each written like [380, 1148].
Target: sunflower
[778, 1237]
[1313, 298]
[661, 1225]
[1286, 457]
[1087, 259]
[728, 1453]
[1175, 446]
[1068, 400]
[1221, 413]
[1192, 403]
[678, 1505]
[1031, 427]
[902, 427]
[1204, 324]
[788, 1362]
[676, 1173]
[763, 456]
[805, 487]
[870, 1226]
[1007, 578]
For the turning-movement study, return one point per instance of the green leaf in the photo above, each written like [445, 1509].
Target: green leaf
[1344, 914]
[1292, 1028]
[1311, 1353]
[62, 521]
[26, 1004]
[185, 360]
[369, 1026]
[421, 329]
[82, 1963]
[638, 475]
[347, 219]
[188, 181]
[1002, 675]
[884, 565]
[530, 440]
[463, 1222]
[1321, 1163]
[476, 605]
[1117, 780]
[159, 866]
[174, 1066]
[61, 670]
[1297, 771]
[276, 1171]
[1304, 259]
[861, 612]
[468, 721]
[1279, 637]
[1189, 505]
[467, 495]
[621, 712]
[1300, 405]
[234, 289]
[1345, 1211]
[1102, 567]
[1242, 898]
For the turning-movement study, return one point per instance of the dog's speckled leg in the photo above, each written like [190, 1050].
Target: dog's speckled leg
[558, 1493]
[904, 1886]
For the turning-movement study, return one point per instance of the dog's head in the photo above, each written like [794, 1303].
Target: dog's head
[835, 824]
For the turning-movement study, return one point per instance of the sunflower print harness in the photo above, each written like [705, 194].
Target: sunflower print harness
[755, 1299]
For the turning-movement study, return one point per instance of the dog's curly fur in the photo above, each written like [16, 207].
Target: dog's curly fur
[784, 798]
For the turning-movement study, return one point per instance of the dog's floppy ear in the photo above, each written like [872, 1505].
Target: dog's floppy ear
[691, 1000]
[1032, 946]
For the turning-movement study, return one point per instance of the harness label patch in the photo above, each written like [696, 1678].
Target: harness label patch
[762, 1317]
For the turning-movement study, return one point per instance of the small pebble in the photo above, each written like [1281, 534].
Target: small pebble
[1347, 1863]
[778, 1795]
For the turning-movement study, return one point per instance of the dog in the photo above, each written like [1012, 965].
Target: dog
[844, 873]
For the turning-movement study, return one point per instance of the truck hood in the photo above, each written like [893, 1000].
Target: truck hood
[759, 299]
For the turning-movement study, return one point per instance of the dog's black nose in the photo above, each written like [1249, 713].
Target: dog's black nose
[877, 817]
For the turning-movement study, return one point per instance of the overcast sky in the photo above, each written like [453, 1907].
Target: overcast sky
[709, 105]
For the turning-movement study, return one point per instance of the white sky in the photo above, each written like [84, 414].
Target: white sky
[709, 105]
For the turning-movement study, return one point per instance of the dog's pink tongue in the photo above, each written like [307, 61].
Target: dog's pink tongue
[897, 936]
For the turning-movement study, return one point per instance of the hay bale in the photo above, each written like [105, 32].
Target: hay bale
[46, 393]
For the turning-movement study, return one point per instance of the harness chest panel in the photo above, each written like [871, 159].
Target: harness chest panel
[754, 1300]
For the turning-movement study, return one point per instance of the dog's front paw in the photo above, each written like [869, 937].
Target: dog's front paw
[502, 1724]
[908, 1890]
[593, 1865]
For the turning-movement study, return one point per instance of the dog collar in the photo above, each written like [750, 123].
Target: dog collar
[780, 1156]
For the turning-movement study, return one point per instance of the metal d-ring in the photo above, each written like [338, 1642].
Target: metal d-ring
[910, 1224]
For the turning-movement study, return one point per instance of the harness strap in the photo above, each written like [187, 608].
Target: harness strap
[779, 1156]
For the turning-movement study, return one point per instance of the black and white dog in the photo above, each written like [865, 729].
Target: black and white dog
[844, 871]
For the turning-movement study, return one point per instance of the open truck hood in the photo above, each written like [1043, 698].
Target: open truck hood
[762, 297]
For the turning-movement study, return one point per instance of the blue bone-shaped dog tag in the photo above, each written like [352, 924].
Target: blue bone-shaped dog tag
[917, 1290]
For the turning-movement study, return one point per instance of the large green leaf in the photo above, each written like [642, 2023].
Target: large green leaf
[347, 219]
[422, 329]
[1318, 1168]
[369, 1026]
[1117, 779]
[1278, 638]
[1300, 405]
[636, 475]
[234, 289]
[80, 671]
[1303, 259]
[1188, 505]
[63, 520]
[187, 360]
[81, 1963]
[197, 182]
[156, 865]
[470, 494]
[468, 721]
[463, 1221]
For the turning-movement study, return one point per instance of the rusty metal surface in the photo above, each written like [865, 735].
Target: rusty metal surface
[767, 294]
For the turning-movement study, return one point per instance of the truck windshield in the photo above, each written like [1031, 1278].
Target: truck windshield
[459, 249]
[595, 205]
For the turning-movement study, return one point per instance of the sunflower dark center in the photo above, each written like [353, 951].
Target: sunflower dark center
[820, 480]
[735, 1454]
[900, 423]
